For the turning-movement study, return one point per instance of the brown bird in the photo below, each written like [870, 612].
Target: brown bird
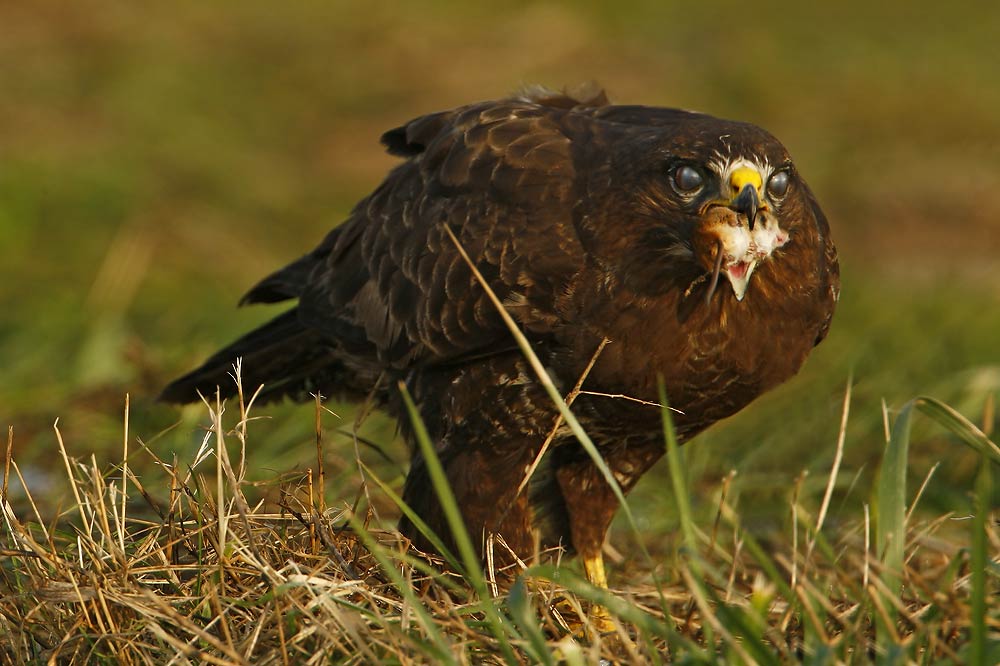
[690, 243]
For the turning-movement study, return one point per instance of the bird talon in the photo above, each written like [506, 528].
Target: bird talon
[600, 622]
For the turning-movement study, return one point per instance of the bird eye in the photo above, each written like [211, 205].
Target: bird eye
[777, 186]
[687, 178]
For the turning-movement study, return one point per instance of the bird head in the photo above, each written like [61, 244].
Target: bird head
[737, 225]
[695, 199]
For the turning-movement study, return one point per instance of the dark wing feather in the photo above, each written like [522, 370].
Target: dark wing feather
[389, 290]
[286, 357]
[288, 282]
[501, 177]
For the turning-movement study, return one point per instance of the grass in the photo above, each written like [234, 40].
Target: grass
[223, 570]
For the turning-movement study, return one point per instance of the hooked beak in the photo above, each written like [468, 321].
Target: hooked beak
[747, 203]
[746, 183]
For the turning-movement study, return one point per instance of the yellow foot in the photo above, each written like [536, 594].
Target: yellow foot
[596, 623]
[600, 618]
[593, 566]
[600, 621]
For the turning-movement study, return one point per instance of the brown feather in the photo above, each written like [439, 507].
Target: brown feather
[567, 207]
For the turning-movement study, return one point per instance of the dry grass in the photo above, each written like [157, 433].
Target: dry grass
[194, 570]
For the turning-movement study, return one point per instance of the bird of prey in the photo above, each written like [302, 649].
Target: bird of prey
[691, 244]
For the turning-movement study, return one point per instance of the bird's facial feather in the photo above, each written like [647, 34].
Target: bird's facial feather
[705, 197]
[724, 243]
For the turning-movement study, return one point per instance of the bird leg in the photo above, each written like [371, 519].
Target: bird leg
[593, 566]
[590, 505]
[480, 492]
[598, 622]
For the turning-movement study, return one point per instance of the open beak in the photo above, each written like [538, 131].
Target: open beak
[738, 273]
[746, 184]
[739, 276]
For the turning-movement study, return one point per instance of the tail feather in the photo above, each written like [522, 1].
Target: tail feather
[282, 355]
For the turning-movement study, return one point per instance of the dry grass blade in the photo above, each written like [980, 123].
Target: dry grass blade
[837, 459]
[570, 397]
[206, 576]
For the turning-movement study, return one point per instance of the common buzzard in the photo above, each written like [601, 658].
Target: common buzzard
[690, 243]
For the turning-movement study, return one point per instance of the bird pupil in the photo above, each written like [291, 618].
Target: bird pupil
[687, 178]
[779, 183]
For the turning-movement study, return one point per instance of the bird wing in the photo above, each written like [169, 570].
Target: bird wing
[390, 285]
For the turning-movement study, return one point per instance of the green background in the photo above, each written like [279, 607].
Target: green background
[156, 159]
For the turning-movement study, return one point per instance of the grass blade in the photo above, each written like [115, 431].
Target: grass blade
[499, 626]
[963, 428]
[773, 575]
[677, 476]
[550, 388]
[443, 653]
[891, 489]
[520, 607]
[417, 521]
[891, 502]
[890, 530]
[617, 606]
[984, 491]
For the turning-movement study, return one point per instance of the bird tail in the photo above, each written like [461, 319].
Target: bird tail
[283, 356]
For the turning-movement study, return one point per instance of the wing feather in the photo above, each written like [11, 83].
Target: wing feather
[502, 177]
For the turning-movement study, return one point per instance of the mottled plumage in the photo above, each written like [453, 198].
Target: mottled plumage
[589, 221]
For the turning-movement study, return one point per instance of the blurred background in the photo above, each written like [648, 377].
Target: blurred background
[158, 159]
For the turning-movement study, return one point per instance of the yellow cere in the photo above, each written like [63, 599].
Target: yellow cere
[745, 176]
